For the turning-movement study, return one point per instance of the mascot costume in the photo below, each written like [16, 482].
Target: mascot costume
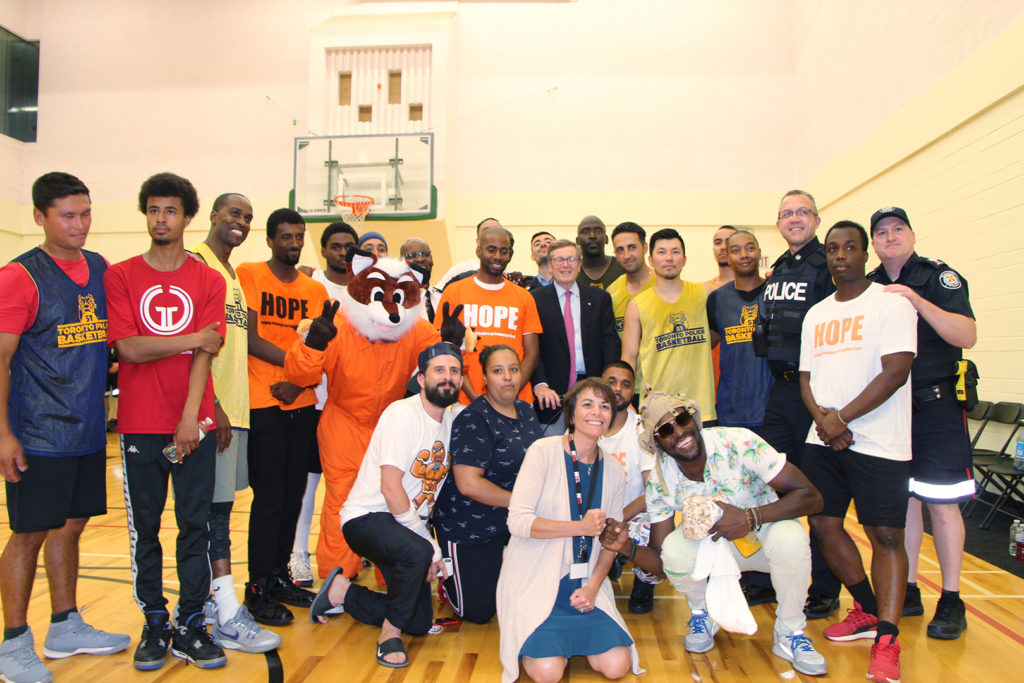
[368, 351]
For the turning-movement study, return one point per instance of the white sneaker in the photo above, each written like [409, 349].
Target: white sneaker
[298, 567]
[210, 611]
[701, 637]
[797, 648]
[244, 634]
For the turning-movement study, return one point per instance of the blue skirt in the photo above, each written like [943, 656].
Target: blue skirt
[569, 633]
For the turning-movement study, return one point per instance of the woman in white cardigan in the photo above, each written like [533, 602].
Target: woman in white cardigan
[554, 597]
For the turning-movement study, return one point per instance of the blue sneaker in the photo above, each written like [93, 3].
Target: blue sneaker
[701, 637]
[797, 648]
[75, 637]
[19, 662]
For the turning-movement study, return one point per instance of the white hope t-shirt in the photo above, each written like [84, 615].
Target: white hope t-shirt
[409, 439]
[625, 447]
[841, 345]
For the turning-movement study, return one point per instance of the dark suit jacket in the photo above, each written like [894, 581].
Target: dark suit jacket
[601, 343]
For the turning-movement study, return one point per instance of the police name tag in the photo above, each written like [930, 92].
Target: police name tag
[579, 570]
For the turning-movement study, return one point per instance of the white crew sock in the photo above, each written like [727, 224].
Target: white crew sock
[301, 544]
[224, 596]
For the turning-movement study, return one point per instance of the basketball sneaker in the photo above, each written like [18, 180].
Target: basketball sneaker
[885, 660]
[858, 624]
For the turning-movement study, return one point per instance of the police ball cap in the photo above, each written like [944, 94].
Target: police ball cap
[888, 212]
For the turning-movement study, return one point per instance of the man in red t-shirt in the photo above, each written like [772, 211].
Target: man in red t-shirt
[53, 362]
[166, 315]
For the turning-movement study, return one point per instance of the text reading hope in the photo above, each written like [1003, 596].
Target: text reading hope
[839, 331]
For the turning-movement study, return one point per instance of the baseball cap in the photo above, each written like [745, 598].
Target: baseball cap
[439, 349]
[887, 212]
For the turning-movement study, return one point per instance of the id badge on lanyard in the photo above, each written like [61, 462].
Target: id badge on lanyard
[580, 568]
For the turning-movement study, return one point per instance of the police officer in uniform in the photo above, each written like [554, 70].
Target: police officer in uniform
[941, 468]
[799, 279]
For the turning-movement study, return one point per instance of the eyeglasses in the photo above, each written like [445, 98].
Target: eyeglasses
[803, 212]
[682, 419]
[559, 260]
[416, 254]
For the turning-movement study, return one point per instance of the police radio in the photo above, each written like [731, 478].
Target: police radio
[759, 340]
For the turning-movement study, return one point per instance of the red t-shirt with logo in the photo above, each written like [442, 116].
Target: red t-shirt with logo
[145, 302]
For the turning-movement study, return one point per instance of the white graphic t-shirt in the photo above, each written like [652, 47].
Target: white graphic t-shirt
[409, 439]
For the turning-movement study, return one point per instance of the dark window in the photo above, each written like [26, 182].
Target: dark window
[19, 86]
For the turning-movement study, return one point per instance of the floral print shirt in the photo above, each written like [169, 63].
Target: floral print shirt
[739, 466]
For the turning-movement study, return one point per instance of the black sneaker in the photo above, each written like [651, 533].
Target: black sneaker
[950, 620]
[263, 607]
[192, 643]
[616, 569]
[912, 606]
[819, 606]
[641, 599]
[154, 642]
[758, 595]
[284, 590]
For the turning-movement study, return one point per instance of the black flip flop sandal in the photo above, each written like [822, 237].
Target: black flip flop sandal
[390, 646]
[322, 603]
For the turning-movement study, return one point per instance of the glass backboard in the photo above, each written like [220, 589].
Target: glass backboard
[397, 171]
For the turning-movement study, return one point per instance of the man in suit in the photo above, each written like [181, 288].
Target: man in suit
[590, 320]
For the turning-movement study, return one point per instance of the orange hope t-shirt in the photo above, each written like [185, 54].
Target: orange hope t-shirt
[279, 307]
[499, 314]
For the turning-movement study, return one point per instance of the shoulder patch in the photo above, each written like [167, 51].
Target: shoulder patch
[935, 262]
[949, 280]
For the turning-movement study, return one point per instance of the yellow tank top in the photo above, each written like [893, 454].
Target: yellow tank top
[620, 299]
[675, 347]
[231, 365]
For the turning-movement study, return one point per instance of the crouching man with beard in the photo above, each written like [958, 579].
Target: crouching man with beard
[384, 517]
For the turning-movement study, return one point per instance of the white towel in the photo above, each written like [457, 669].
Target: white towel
[724, 597]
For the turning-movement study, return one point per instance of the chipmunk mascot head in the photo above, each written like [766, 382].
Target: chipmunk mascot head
[383, 297]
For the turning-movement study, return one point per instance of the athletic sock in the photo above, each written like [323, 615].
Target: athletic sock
[11, 633]
[886, 628]
[305, 521]
[224, 596]
[863, 594]
[949, 596]
[62, 616]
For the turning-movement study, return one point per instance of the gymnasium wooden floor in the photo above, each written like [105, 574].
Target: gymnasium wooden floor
[990, 650]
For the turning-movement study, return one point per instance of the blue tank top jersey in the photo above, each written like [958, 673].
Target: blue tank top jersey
[58, 373]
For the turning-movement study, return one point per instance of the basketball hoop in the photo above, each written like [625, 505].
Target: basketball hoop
[357, 206]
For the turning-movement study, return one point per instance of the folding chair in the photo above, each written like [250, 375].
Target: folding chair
[1008, 481]
[981, 413]
[985, 459]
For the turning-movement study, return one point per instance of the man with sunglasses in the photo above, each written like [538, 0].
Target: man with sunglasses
[763, 497]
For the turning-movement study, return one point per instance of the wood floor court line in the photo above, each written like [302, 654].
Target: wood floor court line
[343, 649]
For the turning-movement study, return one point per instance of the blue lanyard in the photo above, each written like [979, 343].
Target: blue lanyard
[584, 550]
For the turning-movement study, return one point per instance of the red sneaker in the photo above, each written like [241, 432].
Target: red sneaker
[885, 660]
[857, 624]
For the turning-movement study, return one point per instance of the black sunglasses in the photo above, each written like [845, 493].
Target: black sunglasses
[682, 419]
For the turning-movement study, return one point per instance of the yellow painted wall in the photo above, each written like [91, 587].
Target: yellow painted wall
[954, 159]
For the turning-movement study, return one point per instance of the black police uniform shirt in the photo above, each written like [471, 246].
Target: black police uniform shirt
[798, 281]
[936, 282]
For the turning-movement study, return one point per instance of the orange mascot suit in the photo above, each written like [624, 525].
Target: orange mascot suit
[379, 335]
